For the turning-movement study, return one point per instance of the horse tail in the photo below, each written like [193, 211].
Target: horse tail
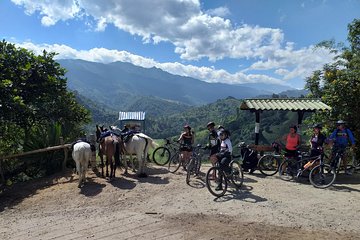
[153, 144]
[146, 146]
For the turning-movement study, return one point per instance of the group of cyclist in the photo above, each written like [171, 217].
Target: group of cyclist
[339, 139]
[219, 145]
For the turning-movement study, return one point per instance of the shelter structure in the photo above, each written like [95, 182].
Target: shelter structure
[133, 119]
[299, 105]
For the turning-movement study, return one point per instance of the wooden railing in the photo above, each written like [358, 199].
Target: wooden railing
[65, 147]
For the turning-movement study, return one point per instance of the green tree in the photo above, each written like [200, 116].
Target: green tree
[338, 84]
[34, 97]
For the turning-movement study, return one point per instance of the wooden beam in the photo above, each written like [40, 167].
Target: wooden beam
[36, 151]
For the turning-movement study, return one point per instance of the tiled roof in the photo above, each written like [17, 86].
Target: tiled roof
[132, 116]
[289, 104]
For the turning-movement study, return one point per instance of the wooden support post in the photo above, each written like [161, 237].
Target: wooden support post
[257, 126]
[300, 118]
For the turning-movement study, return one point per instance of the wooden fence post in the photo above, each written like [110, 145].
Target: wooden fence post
[93, 154]
[66, 151]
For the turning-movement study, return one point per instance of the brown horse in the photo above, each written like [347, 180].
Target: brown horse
[107, 147]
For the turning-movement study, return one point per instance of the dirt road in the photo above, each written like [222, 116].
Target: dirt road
[163, 206]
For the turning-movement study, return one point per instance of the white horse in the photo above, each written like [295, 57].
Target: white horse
[138, 145]
[81, 155]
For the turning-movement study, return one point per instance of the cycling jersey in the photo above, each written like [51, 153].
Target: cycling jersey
[214, 142]
[342, 137]
[226, 146]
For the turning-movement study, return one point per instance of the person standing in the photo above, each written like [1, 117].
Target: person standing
[224, 156]
[186, 140]
[317, 141]
[293, 141]
[341, 137]
[213, 142]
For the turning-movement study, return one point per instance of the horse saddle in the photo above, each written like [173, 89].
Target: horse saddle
[127, 137]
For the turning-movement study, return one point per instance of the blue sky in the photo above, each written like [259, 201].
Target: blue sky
[229, 41]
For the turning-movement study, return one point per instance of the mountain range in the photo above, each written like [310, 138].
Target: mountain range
[170, 100]
[125, 87]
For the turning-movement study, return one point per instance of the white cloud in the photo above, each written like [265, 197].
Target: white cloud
[220, 11]
[194, 33]
[208, 74]
[51, 10]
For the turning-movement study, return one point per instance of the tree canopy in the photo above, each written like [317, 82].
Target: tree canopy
[338, 83]
[34, 98]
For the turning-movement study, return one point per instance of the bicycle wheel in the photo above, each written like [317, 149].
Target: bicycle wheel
[190, 170]
[322, 176]
[216, 182]
[174, 163]
[237, 174]
[161, 156]
[286, 170]
[268, 165]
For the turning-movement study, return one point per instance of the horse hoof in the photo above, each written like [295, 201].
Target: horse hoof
[142, 175]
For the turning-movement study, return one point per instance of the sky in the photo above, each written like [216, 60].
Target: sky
[227, 41]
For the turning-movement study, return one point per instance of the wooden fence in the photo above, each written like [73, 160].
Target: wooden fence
[65, 147]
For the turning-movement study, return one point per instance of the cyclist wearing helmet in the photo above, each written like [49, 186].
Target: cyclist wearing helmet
[317, 141]
[187, 140]
[214, 142]
[219, 129]
[341, 138]
[224, 156]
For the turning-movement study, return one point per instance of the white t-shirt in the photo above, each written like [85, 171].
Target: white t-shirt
[226, 145]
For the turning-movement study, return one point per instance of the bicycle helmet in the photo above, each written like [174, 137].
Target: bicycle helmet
[220, 127]
[340, 122]
[210, 124]
[242, 144]
[317, 125]
[187, 126]
[225, 132]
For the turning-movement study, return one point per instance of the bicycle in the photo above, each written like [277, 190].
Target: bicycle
[162, 155]
[329, 172]
[194, 164]
[355, 164]
[216, 175]
[176, 162]
[269, 163]
[323, 175]
[293, 168]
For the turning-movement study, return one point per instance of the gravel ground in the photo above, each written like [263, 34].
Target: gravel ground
[163, 206]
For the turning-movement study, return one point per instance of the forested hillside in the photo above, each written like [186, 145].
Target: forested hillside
[224, 111]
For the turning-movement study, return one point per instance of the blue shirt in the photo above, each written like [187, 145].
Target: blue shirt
[342, 137]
